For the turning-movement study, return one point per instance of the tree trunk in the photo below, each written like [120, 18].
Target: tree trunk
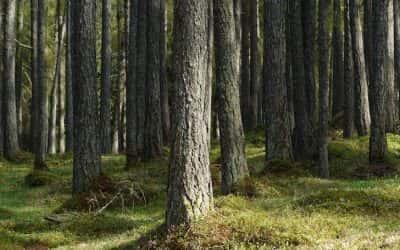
[323, 16]
[278, 146]
[227, 41]
[69, 121]
[338, 63]
[40, 135]
[19, 68]
[254, 62]
[166, 123]
[303, 140]
[87, 164]
[368, 33]
[1, 80]
[378, 86]
[392, 100]
[105, 105]
[11, 147]
[348, 129]
[245, 85]
[309, 11]
[362, 112]
[153, 131]
[396, 6]
[190, 194]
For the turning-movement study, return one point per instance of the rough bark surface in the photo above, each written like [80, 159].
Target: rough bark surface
[324, 6]
[190, 194]
[87, 166]
[227, 41]
[279, 145]
[378, 141]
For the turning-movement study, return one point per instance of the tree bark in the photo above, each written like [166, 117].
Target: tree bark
[362, 112]
[338, 63]
[245, 85]
[105, 104]
[87, 165]
[348, 129]
[190, 194]
[396, 6]
[379, 84]
[278, 132]
[254, 62]
[166, 122]
[1, 80]
[227, 41]
[11, 147]
[323, 16]
[69, 120]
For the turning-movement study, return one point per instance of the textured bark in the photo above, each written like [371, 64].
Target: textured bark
[40, 135]
[245, 84]
[210, 71]
[166, 122]
[392, 112]
[323, 15]
[396, 6]
[338, 63]
[105, 103]
[254, 62]
[131, 111]
[378, 86]
[11, 146]
[87, 166]
[362, 112]
[368, 33]
[309, 13]
[348, 129]
[190, 194]
[278, 131]
[1, 81]
[227, 41]
[153, 131]
[69, 118]
[303, 141]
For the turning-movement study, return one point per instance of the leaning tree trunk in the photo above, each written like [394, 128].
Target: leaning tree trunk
[309, 16]
[40, 136]
[190, 194]
[378, 86]
[338, 63]
[11, 147]
[279, 145]
[392, 112]
[69, 118]
[87, 165]
[105, 104]
[227, 41]
[323, 17]
[303, 140]
[362, 115]
[348, 128]
[153, 131]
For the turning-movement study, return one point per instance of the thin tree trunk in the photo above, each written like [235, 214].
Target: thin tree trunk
[396, 12]
[69, 121]
[348, 129]
[278, 143]
[378, 86]
[254, 62]
[1, 80]
[87, 163]
[19, 68]
[227, 41]
[166, 123]
[324, 6]
[368, 33]
[190, 194]
[338, 63]
[362, 115]
[11, 147]
[245, 85]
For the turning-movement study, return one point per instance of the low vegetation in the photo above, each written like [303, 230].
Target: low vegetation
[282, 206]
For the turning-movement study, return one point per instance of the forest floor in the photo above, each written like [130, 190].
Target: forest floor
[284, 207]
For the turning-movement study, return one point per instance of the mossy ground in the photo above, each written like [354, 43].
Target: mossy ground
[282, 207]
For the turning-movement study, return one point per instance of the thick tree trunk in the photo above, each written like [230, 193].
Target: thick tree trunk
[227, 41]
[338, 63]
[87, 165]
[279, 145]
[190, 194]
[392, 100]
[40, 135]
[323, 16]
[11, 147]
[362, 112]
[69, 120]
[303, 141]
[378, 86]
[348, 129]
[153, 131]
[105, 104]
[309, 11]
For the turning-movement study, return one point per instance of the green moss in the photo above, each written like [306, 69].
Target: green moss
[39, 178]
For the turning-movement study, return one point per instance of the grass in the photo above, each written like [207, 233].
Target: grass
[282, 206]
